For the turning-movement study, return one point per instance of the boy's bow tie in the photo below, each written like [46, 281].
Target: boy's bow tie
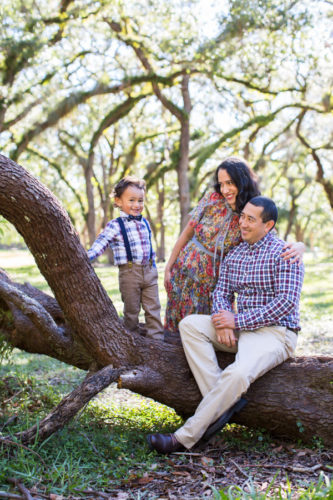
[134, 217]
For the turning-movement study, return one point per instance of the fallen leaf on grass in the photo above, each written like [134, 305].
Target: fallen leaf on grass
[145, 479]
[207, 461]
[133, 479]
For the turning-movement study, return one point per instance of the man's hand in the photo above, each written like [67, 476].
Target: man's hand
[226, 336]
[224, 319]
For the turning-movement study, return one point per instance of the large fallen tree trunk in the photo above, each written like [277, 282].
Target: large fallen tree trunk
[81, 327]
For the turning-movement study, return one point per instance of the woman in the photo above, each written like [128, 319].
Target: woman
[192, 270]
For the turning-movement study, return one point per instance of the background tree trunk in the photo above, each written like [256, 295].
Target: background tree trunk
[296, 396]
[183, 164]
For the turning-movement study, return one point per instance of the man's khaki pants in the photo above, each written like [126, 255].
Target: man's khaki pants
[257, 352]
[138, 285]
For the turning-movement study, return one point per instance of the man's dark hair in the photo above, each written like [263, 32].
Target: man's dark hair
[242, 176]
[127, 181]
[270, 211]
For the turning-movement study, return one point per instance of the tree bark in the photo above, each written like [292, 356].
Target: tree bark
[182, 115]
[160, 217]
[296, 396]
[70, 405]
[91, 219]
[183, 164]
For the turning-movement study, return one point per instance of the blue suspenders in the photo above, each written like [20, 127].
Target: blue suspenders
[126, 242]
[150, 244]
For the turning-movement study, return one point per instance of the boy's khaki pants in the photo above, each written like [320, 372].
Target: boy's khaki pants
[138, 285]
[257, 352]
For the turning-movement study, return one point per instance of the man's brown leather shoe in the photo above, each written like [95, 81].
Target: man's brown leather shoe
[164, 443]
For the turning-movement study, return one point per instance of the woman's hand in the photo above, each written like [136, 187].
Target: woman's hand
[294, 252]
[185, 236]
[167, 279]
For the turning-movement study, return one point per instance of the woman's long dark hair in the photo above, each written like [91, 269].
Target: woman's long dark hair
[243, 177]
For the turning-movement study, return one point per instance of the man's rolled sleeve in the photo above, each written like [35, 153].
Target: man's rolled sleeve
[223, 295]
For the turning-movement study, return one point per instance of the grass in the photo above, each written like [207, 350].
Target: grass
[317, 296]
[322, 489]
[104, 448]
[97, 449]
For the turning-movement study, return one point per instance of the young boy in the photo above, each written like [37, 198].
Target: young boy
[129, 236]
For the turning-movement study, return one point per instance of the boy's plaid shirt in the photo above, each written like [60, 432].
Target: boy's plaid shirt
[138, 237]
[268, 287]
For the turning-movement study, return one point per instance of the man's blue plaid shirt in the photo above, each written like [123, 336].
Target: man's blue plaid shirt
[268, 288]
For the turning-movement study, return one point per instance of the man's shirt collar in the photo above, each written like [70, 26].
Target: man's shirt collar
[260, 243]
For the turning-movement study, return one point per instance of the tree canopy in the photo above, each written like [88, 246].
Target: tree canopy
[93, 90]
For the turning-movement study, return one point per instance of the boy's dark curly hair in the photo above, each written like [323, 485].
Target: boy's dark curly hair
[127, 181]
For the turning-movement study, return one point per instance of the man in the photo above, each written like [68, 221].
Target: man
[263, 332]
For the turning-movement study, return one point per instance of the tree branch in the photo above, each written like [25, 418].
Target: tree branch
[252, 86]
[67, 105]
[36, 313]
[267, 144]
[260, 120]
[63, 178]
[70, 405]
[140, 53]
[320, 178]
[21, 115]
[114, 115]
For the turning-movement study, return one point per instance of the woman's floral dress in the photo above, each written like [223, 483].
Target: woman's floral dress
[192, 276]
